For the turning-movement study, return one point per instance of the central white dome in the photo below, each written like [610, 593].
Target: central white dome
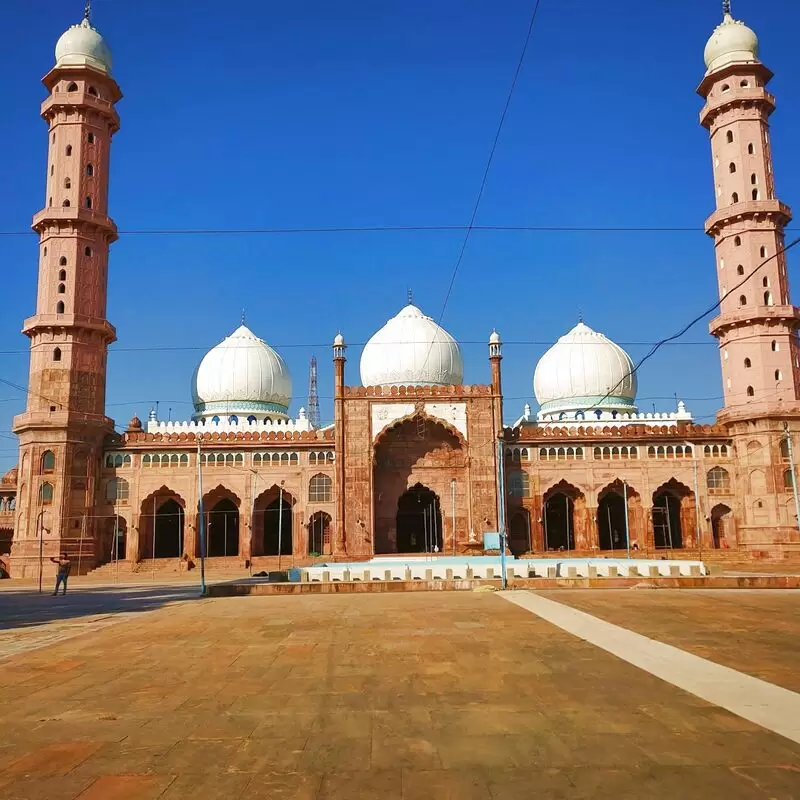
[81, 45]
[411, 350]
[242, 377]
[585, 370]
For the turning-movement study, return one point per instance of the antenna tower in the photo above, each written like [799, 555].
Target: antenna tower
[313, 395]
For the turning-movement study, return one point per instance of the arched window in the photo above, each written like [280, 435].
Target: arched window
[93, 91]
[750, 392]
[718, 481]
[57, 354]
[519, 484]
[765, 282]
[742, 300]
[751, 149]
[755, 194]
[62, 261]
[88, 202]
[62, 275]
[730, 137]
[90, 170]
[52, 169]
[48, 462]
[740, 270]
[320, 489]
[72, 87]
[726, 87]
[748, 363]
[61, 288]
[754, 179]
[735, 197]
[45, 494]
[788, 483]
[59, 307]
[775, 346]
[117, 490]
[763, 252]
[67, 183]
[251, 419]
[66, 204]
[90, 138]
[233, 419]
[745, 83]
[778, 375]
[87, 251]
[767, 298]
[68, 150]
[785, 451]
[215, 419]
[737, 240]
[732, 167]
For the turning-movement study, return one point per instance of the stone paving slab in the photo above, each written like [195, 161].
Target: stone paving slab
[754, 632]
[363, 696]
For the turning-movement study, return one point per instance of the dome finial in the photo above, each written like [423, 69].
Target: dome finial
[87, 11]
[244, 317]
[410, 297]
[726, 8]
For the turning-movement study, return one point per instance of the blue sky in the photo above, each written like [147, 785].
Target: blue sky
[314, 114]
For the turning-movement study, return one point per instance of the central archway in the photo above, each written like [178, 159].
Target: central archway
[419, 521]
[168, 542]
[559, 522]
[611, 522]
[223, 529]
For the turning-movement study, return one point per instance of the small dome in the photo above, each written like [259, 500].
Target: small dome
[580, 369]
[338, 340]
[81, 45]
[411, 350]
[242, 376]
[731, 43]
[134, 425]
[495, 338]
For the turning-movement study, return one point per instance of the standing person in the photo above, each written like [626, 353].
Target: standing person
[64, 565]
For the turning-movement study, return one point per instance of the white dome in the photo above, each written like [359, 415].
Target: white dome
[242, 376]
[731, 43]
[81, 45]
[580, 369]
[411, 350]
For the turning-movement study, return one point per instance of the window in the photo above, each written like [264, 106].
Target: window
[767, 298]
[59, 307]
[90, 138]
[754, 179]
[61, 288]
[117, 490]
[87, 252]
[57, 354]
[730, 137]
[775, 346]
[72, 87]
[320, 489]
[251, 420]
[93, 91]
[718, 481]
[88, 202]
[763, 252]
[778, 375]
[751, 149]
[745, 83]
[737, 240]
[755, 194]
[735, 197]
[726, 87]
[740, 270]
[742, 300]
[519, 484]
[66, 204]
[67, 183]
[233, 419]
[732, 168]
[750, 392]
[62, 275]
[90, 170]
[68, 151]
[788, 483]
[62, 262]
[765, 282]
[215, 419]
[45, 494]
[747, 363]
[785, 451]
[48, 462]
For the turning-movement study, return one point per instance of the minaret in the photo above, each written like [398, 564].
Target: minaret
[64, 424]
[757, 323]
[339, 545]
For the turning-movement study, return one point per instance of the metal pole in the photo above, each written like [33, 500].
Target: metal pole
[225, 528]
[669, 521]
[116, 542]
[566, 516]
[544, 520]
[696, 506]
[154, 538]
[201, 521]
[425, 530]
[41, 547]
[80, 543]
[528, 523]
[280, 526]
[453, 492]
[790, 451]
[627, 526]
[610, 529]
[502, 507]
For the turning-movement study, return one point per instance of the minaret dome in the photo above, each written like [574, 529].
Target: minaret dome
[731, 43]
[81, 45]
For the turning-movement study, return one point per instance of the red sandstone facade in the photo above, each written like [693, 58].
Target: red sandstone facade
[403, 469]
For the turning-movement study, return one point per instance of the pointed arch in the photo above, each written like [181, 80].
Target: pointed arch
[162, 522]
[673, 514]
[221, 510]
[421, 419]
[273, 522]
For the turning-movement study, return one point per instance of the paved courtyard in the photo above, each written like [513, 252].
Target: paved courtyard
[428, 695]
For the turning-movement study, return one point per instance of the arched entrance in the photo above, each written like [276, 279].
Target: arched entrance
[611, 523]
[111, 549]
[519, 530]
[168, 533]
[419, 521]
[319, 534]
[667, 528]
[223, 528]
[278, 526]
[559, 522]
[721, 519]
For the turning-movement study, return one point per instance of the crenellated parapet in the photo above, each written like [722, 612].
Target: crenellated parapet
[460, 390]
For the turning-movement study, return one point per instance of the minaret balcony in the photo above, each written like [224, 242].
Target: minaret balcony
[48, 322]
[773, 210]
[77, 215]
[61, 101]
[753, 96]
[756, 315]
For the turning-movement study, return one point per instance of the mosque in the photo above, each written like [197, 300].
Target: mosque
[416, 459]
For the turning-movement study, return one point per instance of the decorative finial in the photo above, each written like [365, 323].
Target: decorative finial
[726, 8]
[410, 297]
[87, 11]
[244, 317]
